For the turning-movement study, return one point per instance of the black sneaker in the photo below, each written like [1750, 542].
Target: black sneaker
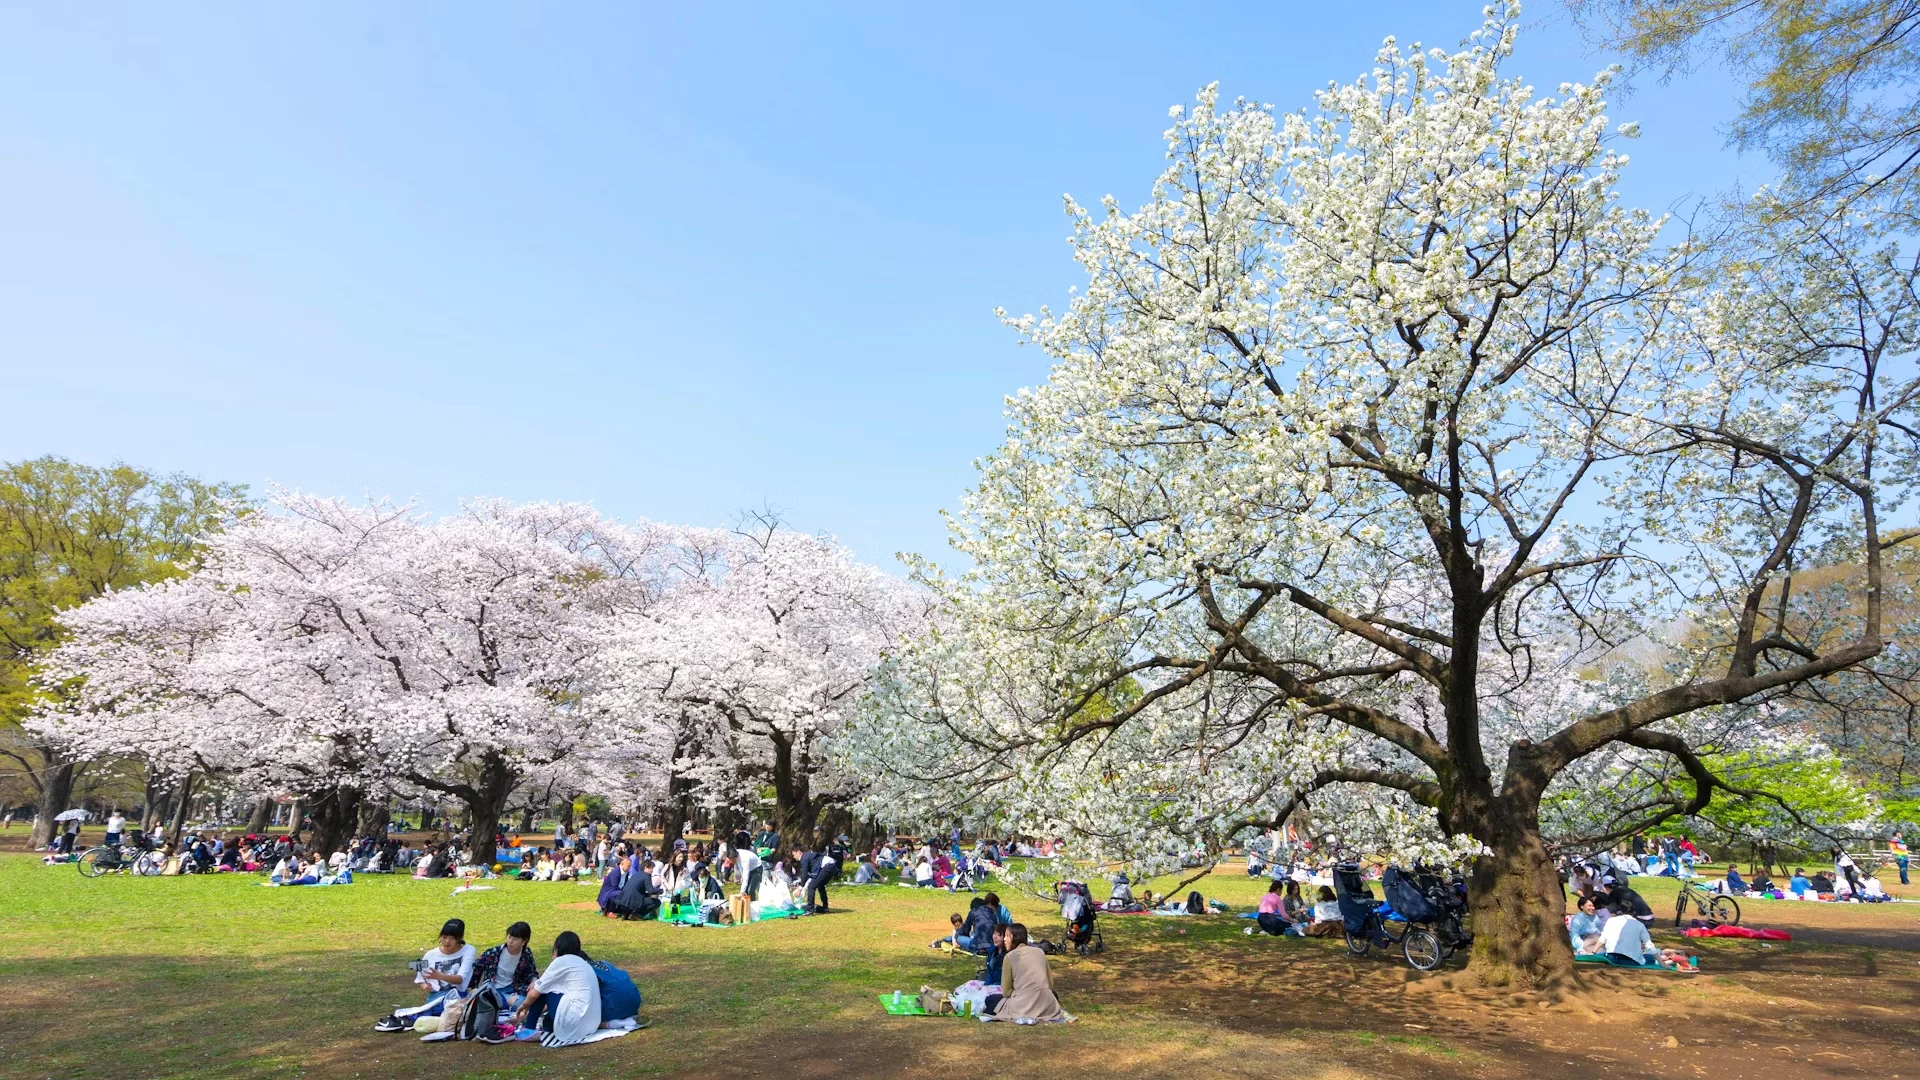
[494, 1040]
[389, 1023]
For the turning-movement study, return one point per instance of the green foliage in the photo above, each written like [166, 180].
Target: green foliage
[1819, 790]
[1830, 82]
[69, 533]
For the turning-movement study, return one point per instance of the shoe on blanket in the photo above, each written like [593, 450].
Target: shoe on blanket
[392, 1023]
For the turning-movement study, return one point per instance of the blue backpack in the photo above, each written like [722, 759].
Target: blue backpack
[619, 997]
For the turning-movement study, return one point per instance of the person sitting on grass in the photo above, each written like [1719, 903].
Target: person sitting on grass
[956, 937]
[1586, 925]
[564, 1003]
[1622, 896]
[1327, 920]
[1271, 918]
[923, 873]
[508, 967]
[1798, 884]
[1624, 938]
[1735, 885]
[442, 972]
[867, 873]
[1026, 986]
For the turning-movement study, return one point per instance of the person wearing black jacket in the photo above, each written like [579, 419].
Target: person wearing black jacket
[639, 894]
[816, 869]
[1621, 897]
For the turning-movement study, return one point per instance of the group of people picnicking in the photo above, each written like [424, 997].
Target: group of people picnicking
[503, 996]
[1844, 881]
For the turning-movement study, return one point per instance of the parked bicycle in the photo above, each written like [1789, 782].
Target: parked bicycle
[1367, 926]
[119, 858]
[1721, 909]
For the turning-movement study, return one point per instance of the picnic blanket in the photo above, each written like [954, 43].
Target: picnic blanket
[1738, 932]
[1598, 958]
[908, 1005]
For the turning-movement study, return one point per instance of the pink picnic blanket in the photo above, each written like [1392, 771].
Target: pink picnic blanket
[1738, 931]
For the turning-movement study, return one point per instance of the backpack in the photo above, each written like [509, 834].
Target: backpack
[1196, 905]
[619, 997]
[479, 1013]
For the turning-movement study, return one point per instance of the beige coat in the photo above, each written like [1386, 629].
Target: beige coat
[1028, 987]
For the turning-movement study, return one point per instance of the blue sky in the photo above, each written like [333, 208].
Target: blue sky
[674, 262]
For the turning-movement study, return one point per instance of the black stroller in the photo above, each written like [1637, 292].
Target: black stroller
[1370, 923]
[1077, 907]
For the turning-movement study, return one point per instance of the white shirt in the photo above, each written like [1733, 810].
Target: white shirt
[116, 823]
[459, 962]
[503, 971]
[578, 1014]
[746, 862]
[1327, 911]
[1627, 936]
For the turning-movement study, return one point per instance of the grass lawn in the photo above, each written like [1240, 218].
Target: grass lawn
[215, 976]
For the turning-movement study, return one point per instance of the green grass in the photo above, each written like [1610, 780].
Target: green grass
[217, 977]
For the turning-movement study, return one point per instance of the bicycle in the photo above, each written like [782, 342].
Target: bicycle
[1721, 909]
[1423, 949]
[106, 859]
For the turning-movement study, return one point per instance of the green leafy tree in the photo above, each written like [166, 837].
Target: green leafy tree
[69, 533]
[1830, 82]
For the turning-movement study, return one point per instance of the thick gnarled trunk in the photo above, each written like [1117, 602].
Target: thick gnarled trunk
[336, 813]
[1518, 904]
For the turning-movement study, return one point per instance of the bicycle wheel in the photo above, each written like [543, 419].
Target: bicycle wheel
[1423, 949]
[1357, 944]
[1726, 909]
[90, 860]
[1680, 909]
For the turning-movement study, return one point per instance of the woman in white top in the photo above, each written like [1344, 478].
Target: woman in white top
[565, 999]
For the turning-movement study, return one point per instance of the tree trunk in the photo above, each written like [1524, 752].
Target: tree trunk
[673, 812]
[1519, 906]
[526, 820]
[182, 802]
[486, 800]
[296, 812]
[55, 791]
[335, 814]
[262, 814]
[793, 809]
[374, 816]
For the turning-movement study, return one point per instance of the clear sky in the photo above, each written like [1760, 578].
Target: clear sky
[674, 261]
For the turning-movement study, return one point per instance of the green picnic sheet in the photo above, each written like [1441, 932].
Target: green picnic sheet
[1595, 958]
[908, 1005]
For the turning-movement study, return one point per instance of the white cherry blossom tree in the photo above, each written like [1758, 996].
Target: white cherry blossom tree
[1370, 436]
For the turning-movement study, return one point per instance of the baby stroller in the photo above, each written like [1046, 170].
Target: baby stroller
[1077, 907]
[964, 875]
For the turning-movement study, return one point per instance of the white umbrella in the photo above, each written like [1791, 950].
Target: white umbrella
[71, 815]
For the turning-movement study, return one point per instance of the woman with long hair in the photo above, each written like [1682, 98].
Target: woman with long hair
[564, 1003]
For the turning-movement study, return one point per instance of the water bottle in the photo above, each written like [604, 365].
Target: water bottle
[896, 997]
